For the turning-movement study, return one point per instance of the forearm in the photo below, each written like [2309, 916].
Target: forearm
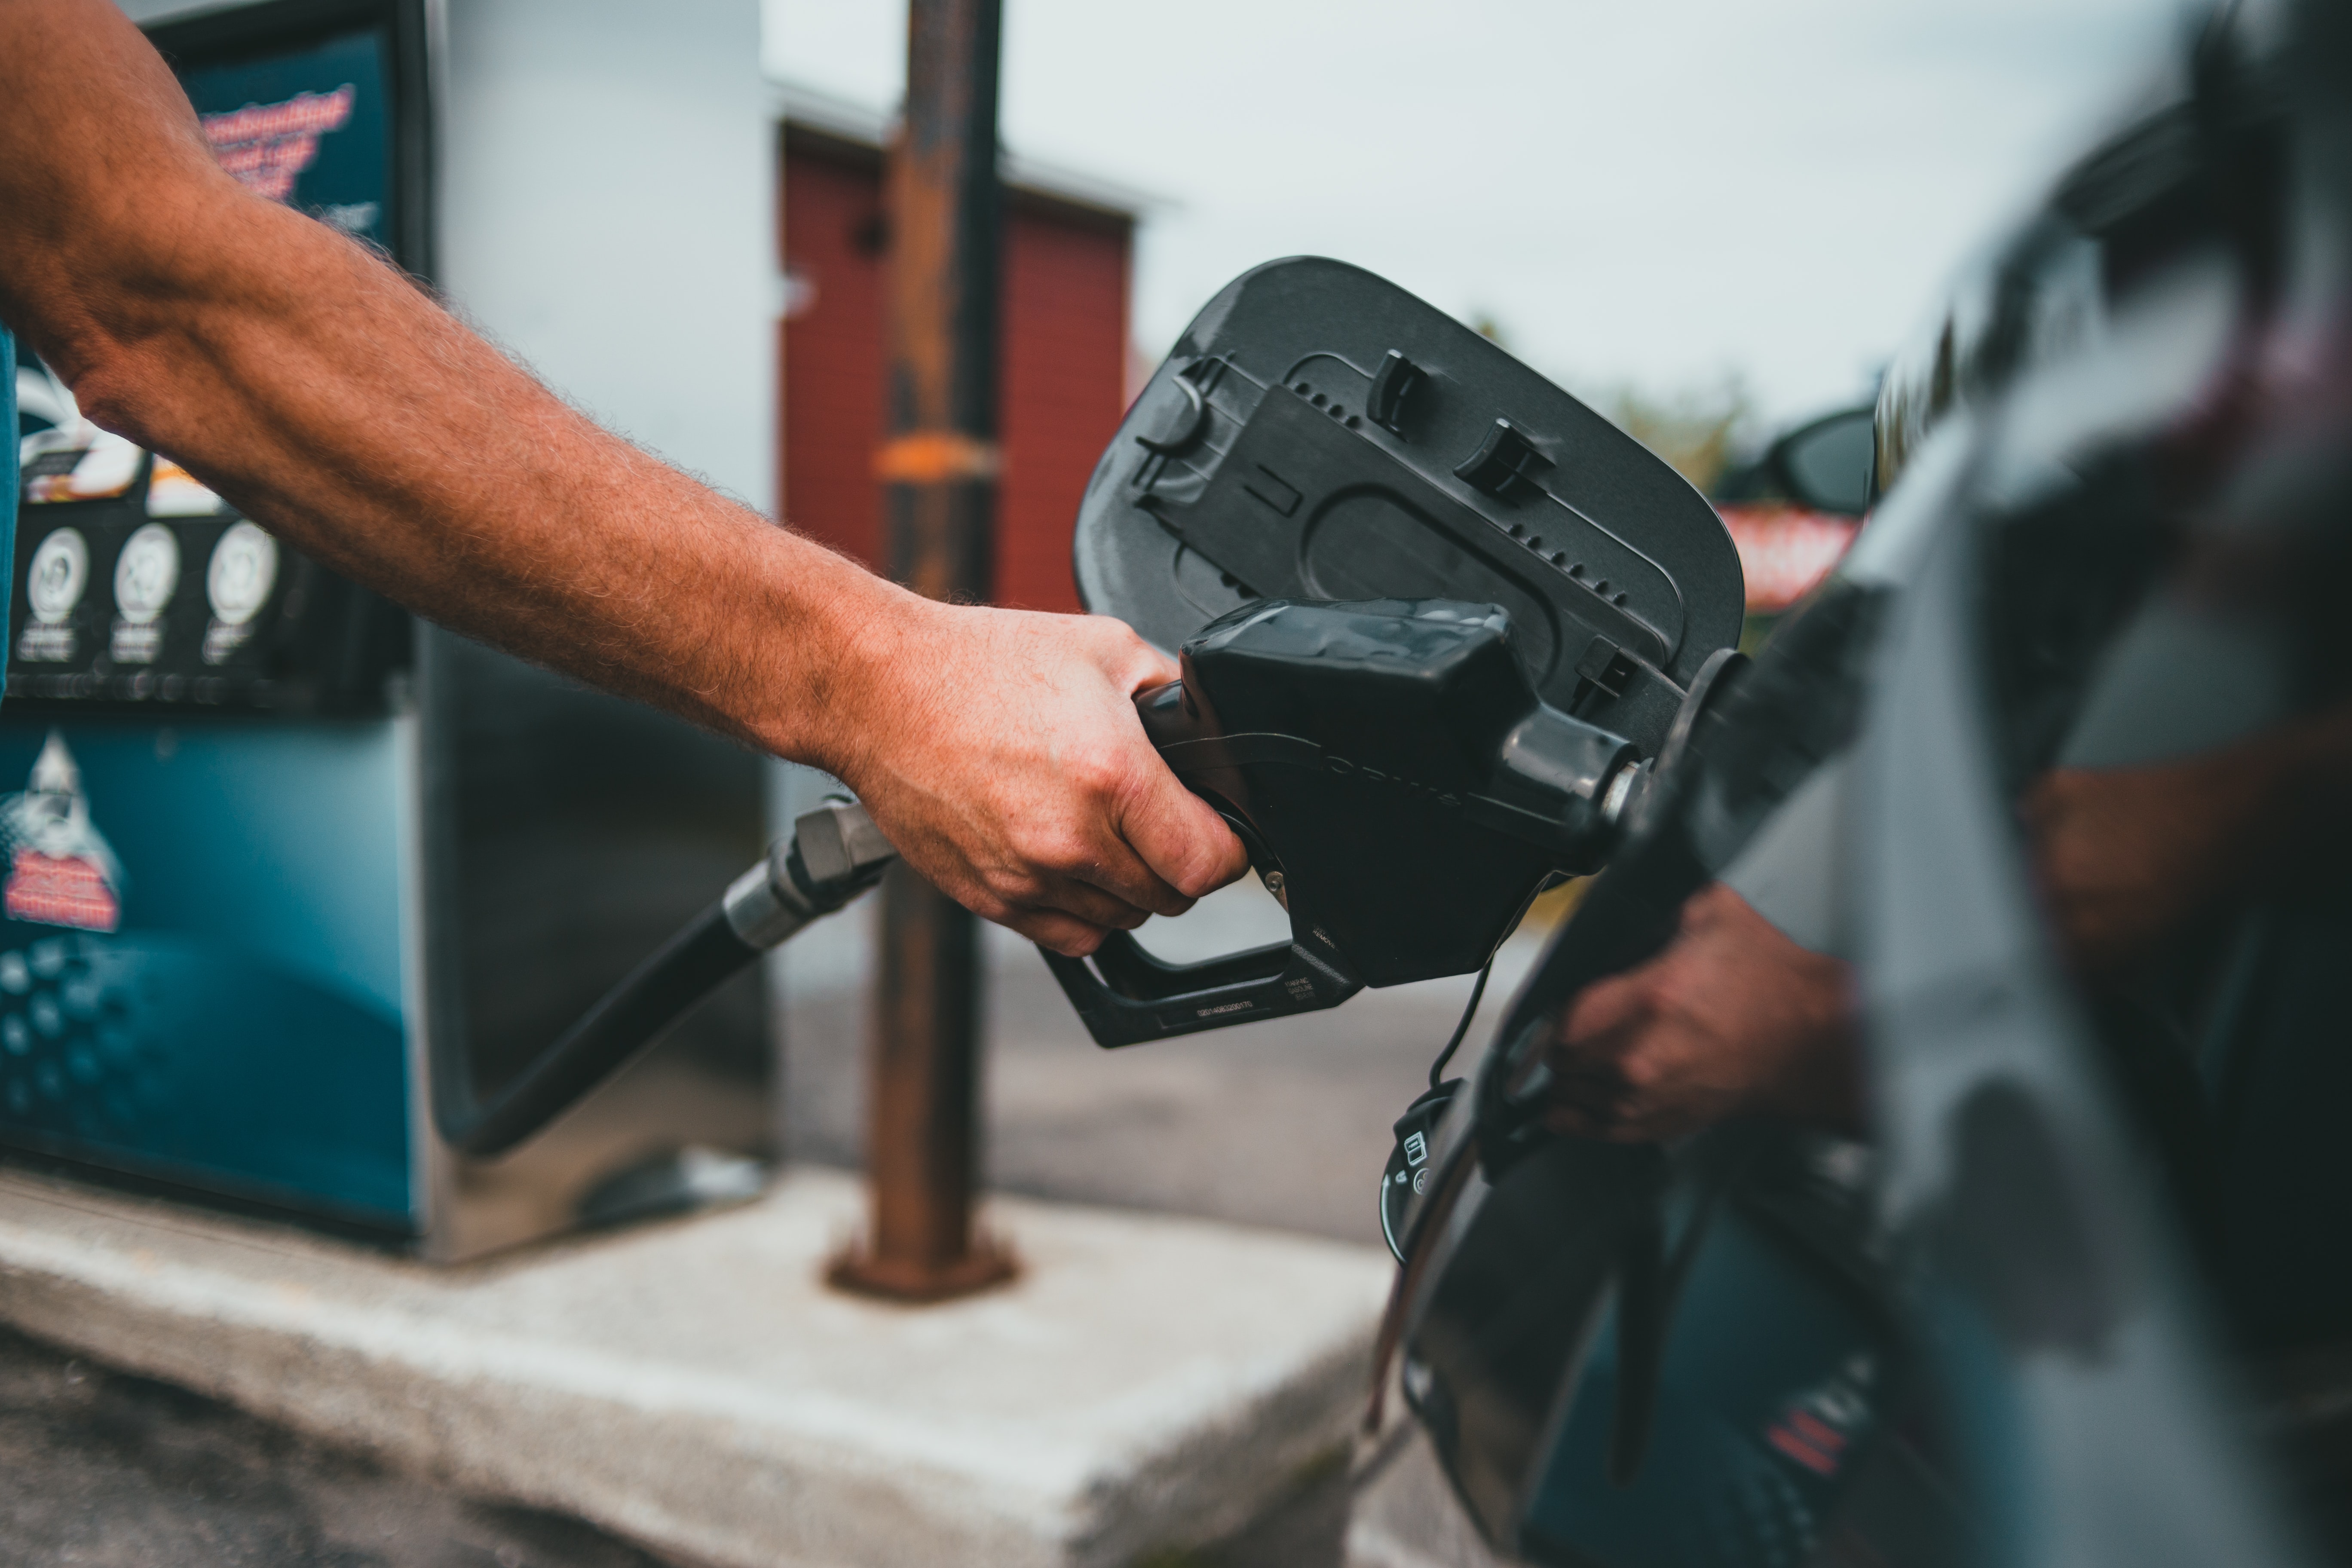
[331, 400]
[385, 440]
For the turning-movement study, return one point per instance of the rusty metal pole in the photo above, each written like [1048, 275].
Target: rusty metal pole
[937, 468]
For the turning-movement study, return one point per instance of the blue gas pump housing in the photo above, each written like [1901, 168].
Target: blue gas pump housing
[273, 854]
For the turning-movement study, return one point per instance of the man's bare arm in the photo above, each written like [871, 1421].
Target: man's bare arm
[331, 400]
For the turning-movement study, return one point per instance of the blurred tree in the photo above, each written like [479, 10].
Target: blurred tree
[1697, 431]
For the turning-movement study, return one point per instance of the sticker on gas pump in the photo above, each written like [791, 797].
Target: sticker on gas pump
[1818, 1427]
[54, 586]
[61, 870]
[146, 575]
[237, 581]
[264, 147]
[172, 491]
[77, 463]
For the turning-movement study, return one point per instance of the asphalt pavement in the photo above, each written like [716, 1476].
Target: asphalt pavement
[110, 1471]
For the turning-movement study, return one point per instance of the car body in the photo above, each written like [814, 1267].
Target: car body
[2081, 1293]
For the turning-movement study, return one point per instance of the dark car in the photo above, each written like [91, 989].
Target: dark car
[2003, 902]
[2059, 762]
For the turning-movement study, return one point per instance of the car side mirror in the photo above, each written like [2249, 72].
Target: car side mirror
[1826, 466]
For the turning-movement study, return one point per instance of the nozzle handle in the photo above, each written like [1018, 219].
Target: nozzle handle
[1127, 996]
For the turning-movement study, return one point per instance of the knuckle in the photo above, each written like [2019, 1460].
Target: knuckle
[1062, 852]
[1100, 772]
[1199, 875]
[1118, 639]
[1072, 939]
[1014, 887]
[1051, 844]
[989, 905]
[1648, 994]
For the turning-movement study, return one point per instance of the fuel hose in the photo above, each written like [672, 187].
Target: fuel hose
[834, 854]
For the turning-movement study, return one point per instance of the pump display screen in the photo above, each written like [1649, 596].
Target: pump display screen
[136, 586]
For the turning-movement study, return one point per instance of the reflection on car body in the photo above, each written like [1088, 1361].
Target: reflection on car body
[2077, 706]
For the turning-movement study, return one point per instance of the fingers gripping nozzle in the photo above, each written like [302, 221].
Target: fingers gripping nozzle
[1403, 791]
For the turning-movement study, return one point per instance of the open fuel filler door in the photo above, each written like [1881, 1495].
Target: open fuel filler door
[1436, 618]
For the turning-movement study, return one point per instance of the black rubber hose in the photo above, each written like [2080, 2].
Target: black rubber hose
[630, 1017]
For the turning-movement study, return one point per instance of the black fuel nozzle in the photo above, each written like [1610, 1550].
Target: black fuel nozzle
[1399, 785]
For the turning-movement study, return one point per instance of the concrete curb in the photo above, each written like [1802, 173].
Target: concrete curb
[1149, 1382]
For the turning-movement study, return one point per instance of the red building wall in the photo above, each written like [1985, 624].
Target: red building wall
[1063, 365]
[831, 402]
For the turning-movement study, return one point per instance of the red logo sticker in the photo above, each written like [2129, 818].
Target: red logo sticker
[61, 871]
[267, 145]
[60, 893]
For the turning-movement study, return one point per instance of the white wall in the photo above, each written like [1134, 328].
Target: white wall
[607, 214]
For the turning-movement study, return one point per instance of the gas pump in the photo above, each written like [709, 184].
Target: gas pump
[281, 865]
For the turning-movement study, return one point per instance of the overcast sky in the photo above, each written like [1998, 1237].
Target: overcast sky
[1663, 192]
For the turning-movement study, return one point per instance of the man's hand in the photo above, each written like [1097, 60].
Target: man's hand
[1001, 752]
[336, 405]
[1731, 1019]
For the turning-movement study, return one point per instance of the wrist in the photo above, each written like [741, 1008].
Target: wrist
[842, 637]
